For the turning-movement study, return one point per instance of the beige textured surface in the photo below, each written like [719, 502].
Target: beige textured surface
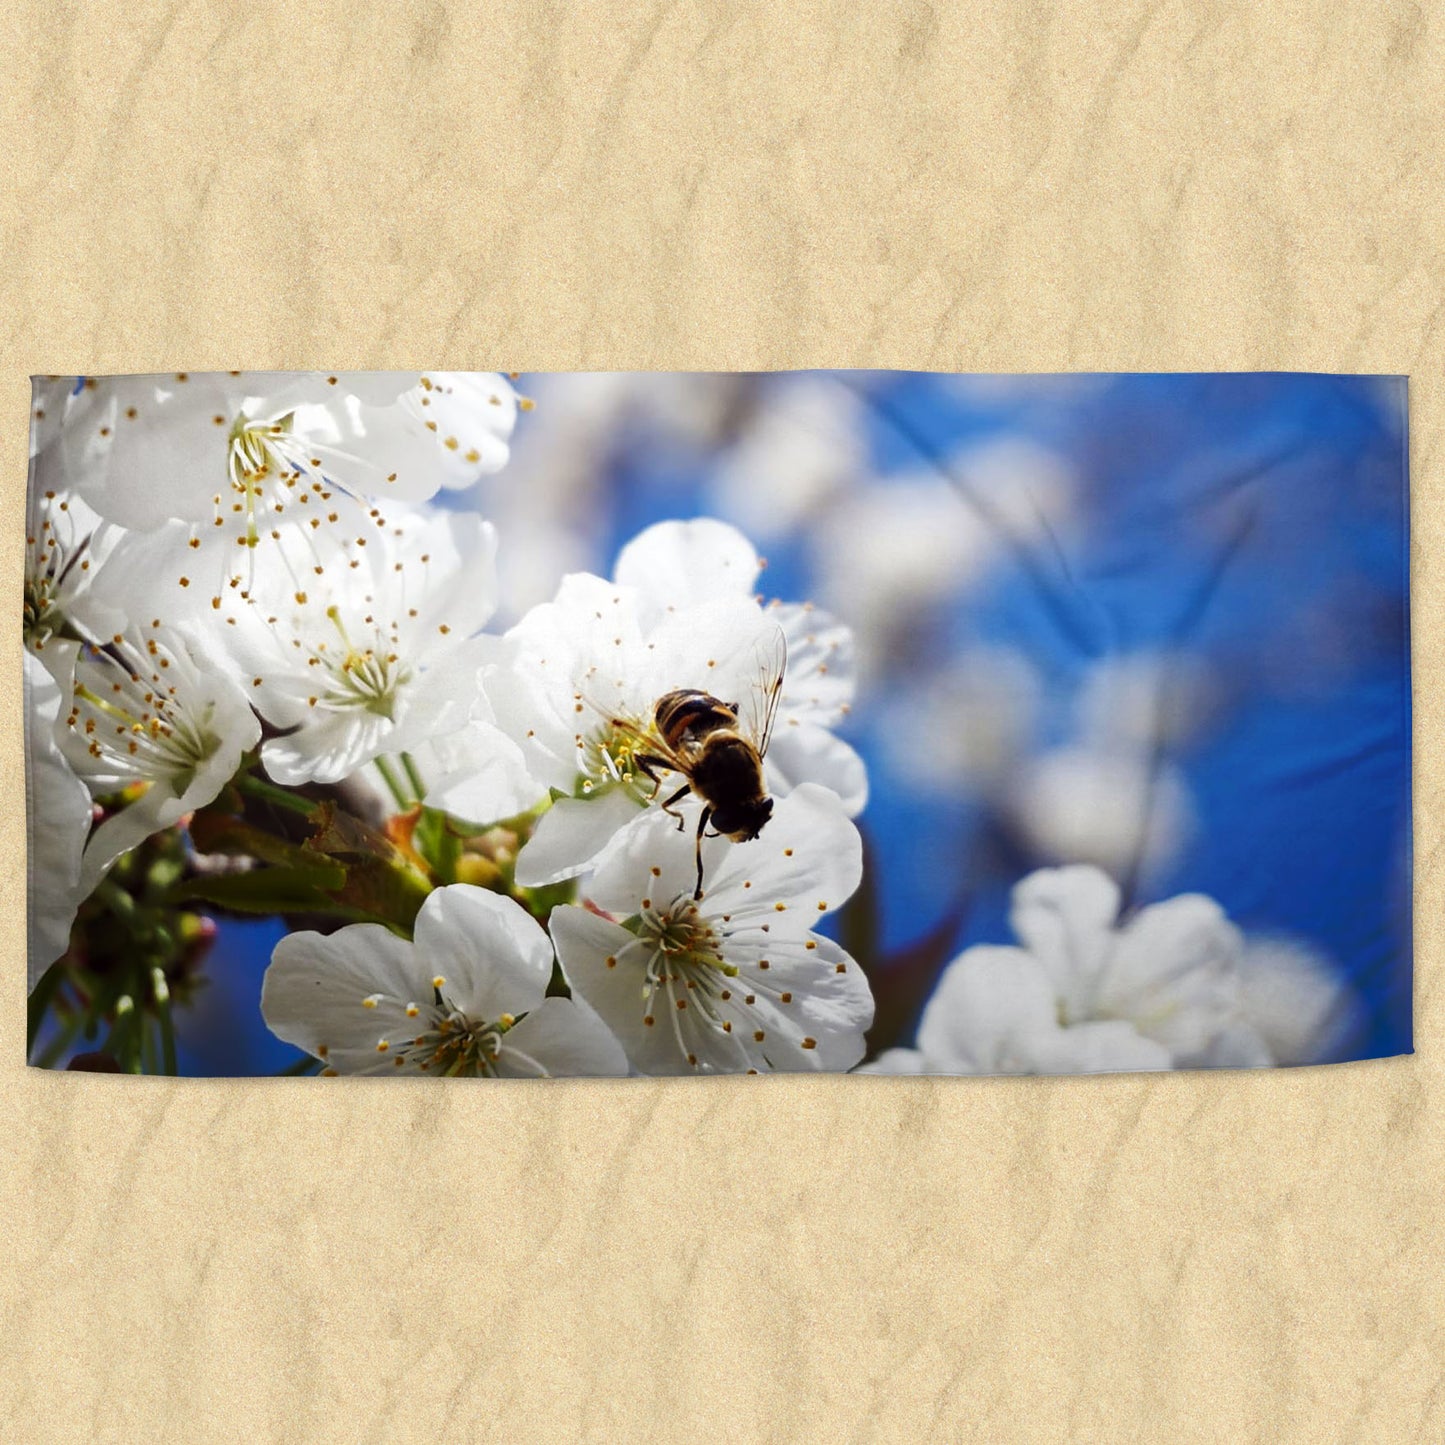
[994, 186]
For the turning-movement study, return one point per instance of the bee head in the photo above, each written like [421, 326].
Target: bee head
[742, 822]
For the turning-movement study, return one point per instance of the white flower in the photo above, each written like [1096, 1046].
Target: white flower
[579, 685]
[148, 717]
[1173, 986]
[964, 729]
[674, 565]
[1172, 969]
[995, 1012]
[362, 645]
[1291, 997]
[1145, 701]
[803, 446]
[1118, 808]
[58, 821]
[736, 981]
[240, 447]
[467, 997]
[66, 545]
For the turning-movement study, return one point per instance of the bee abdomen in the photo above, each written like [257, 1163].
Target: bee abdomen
[690, 712]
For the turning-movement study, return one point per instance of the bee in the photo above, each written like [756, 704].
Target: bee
[718, 749]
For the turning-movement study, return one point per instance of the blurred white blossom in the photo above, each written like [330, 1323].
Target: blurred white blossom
[804, 445]
[1296, 1002]
[995, 1011]
[1175, 985]
[891, 555]
[1120, 809]
[886, 555]
[1146, 701]
[1171, 969]
[968, 728]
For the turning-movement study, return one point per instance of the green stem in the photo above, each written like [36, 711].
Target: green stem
[147, 1048]
[389, 777]
[163, 1013]
[123, 1045]
[448, 850]
[413, 775]
[281, 797]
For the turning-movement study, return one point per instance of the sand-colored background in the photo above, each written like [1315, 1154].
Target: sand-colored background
[975, 187]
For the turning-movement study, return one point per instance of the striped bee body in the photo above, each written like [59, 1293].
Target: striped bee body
[717, 748]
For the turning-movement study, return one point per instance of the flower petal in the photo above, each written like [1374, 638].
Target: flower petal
[1065, 916]
[572, 834]
[341, 995]
[584, 943]
[1108, 1047]
[819, 684]
[1304, 1011]
[561, 1037]
[674, 565]
[495, 957]
[988, 1007]
[58, 820]
[723, 647]
[1174, 973]
[808, 857]
[830, 1000]
[477, 774]
[811, 754]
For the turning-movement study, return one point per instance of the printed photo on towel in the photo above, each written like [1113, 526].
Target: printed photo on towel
[467, 724]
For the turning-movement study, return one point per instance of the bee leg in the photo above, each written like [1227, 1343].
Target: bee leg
[702, 823]
[677, 797]
[647, 764]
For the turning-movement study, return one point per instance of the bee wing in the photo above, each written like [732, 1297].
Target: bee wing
[758, 711]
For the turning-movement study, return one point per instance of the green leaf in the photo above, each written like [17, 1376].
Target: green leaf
[270, 890]
[216, 832]
[385, 892]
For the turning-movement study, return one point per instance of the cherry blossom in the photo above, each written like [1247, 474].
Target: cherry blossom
[737, 980]
[466, 997]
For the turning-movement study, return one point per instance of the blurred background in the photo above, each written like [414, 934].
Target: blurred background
[1156, 623]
